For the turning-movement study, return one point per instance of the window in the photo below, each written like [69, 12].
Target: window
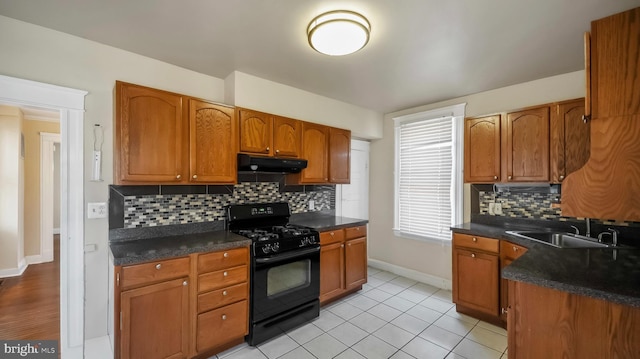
[428, 173]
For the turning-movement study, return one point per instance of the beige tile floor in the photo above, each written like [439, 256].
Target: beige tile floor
[391, 317]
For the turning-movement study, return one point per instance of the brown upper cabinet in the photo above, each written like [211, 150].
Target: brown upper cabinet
[339, 155]
[526, 144]
[166, 138]
[315, 149]
[482, 149]
[570, 139]
[269, 135]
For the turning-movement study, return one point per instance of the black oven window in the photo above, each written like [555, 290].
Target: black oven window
[288, 276]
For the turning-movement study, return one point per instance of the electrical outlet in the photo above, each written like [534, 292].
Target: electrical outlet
[96, 210]
[498, 208]
[312, 205]
[492, 208]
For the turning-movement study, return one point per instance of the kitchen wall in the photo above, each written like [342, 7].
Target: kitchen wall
[81, 64]
[12, 260]
[428, 260]
[32, 158]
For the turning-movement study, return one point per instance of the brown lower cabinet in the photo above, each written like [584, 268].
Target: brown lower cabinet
[478, 289]
[343, 262]
[193, 306]
[547, 323]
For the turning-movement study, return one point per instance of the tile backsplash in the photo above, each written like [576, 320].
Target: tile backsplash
[135, 210]
[522, 205]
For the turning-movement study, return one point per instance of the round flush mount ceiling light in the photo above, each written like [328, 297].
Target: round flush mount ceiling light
[339, 32]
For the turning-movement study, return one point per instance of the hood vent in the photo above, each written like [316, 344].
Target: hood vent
[270, 164]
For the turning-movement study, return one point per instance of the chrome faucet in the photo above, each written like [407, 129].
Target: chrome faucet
[577, 231]
[588, 230]
[613, 233]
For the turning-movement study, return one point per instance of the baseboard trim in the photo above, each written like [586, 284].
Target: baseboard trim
[14, 272]
[411, 274]
[35, 259]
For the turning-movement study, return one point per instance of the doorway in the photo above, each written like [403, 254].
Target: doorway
[352, 200]
[70, 104]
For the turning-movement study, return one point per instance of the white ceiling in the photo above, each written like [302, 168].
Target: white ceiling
[420, 52]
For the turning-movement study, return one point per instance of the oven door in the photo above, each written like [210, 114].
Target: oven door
[284, 281]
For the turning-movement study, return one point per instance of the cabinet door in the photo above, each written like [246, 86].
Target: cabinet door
[331, 270]
[355, 263]
[255, 132]
[287, 135]
[150, 136]
[339, 155]
[155, 321]
[615, 58]
[482, 149]
[527, 145]
[570, 139]
[213, 144]
[315, 142]
[475, 280]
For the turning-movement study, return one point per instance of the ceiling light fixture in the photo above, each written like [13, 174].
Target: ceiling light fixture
[339, 32]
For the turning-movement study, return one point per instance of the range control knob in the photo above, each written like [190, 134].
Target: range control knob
[275, 247]
[266, 249]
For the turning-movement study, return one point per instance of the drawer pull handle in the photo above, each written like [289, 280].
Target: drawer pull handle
[224, 293]
[475, 239]
[473, 255]
[226, 255]
[224, 317]
[357, 228]
[515, 249]
[158, 266]
[224, 274]
[332, 234]
[185, 283]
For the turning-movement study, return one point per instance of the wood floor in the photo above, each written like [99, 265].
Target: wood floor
[30, 304]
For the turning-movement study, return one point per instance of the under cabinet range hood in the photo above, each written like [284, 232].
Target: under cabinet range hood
[270, 164]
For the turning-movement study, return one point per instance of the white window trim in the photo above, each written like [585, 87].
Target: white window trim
[457, 112]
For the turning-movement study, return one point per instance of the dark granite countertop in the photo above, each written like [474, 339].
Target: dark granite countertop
[325, 221]
[138, 245]
[608, 274]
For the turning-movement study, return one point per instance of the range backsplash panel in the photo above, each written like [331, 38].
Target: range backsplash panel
[149, 210]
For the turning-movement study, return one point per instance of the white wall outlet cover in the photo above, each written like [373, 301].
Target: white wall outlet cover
[312, 205]
[492, 207]
[498, 208]
[96, 210]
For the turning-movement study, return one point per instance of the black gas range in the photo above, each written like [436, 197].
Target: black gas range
[285, 268]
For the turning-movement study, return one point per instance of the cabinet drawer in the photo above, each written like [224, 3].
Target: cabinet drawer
[222, 259]
[355, 232]
[476, 243]
[222, 278]
[152, 272]
[332, 236]
[222, 325]
[510, 250]
[221, 297]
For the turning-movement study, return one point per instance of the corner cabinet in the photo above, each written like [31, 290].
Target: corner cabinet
[476, 266]
[151, 133]
[343, 262]
[508, 253]
[166, 138]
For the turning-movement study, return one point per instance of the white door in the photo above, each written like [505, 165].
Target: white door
[352, 200]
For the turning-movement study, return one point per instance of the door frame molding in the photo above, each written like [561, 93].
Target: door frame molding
[47, 143]
[70, 103]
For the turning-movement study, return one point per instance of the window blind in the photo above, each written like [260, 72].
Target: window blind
[428, 199]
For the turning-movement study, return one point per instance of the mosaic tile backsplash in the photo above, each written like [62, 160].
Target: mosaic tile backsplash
[522, 205]
[166, 209]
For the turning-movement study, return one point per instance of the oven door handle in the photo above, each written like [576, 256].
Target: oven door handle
[286, 256]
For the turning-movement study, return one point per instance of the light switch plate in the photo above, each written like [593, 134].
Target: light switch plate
[96, 210]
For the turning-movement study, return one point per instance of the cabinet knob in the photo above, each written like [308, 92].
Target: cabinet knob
[473, 255]
[224, 292]
[277, 151]
[225, 274]
[158, 266]
[561, 178]
[357, 228]
[504, 311]
[185, 283]
[515, 249]
[509, 178]
[266, 149]
[224, 317]
[342, 246]
[178, 177]
[332, 234]
[474, 239]
[195, 176]
[226, 255]
[495, 177]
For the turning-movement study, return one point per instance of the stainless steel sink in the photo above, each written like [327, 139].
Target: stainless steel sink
[561, 239]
